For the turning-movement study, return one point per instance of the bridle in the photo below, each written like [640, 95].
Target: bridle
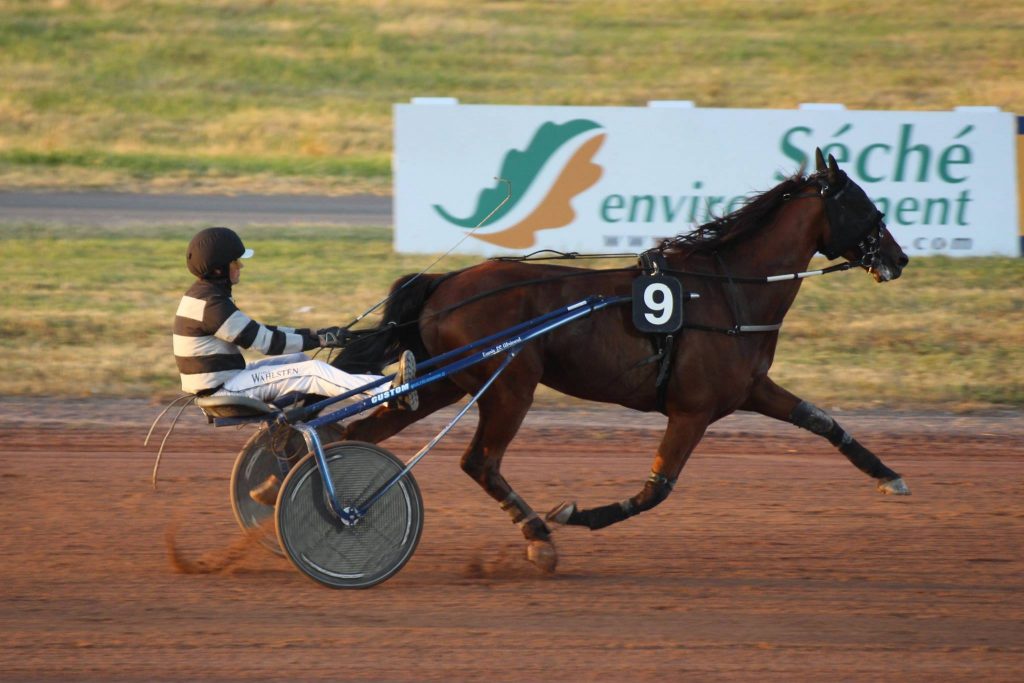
[871, 246]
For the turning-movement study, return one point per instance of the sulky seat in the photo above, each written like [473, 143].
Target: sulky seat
[233, 406]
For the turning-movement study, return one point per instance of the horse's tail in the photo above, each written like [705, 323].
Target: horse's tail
[370, 350]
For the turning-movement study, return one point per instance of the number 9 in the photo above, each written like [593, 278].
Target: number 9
[658, 298]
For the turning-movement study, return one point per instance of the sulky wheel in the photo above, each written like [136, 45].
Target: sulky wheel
[255, 462]
[377, 545]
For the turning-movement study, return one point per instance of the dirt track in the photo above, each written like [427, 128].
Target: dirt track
[773, 560]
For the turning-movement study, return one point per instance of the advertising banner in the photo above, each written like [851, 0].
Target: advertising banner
[619, 179]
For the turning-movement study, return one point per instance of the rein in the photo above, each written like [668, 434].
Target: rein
[559, 256]
[736, 329]
[765, 279]
[508, 196]
[868, 244]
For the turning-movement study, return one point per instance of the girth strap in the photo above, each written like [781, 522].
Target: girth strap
[666, 342]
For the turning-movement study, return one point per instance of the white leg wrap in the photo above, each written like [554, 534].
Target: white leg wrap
[562, 513]
[518, 510]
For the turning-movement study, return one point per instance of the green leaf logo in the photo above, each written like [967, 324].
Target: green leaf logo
[521, 168]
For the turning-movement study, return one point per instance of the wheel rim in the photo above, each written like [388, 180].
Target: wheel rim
[366, 553]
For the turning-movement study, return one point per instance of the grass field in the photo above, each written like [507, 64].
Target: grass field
[88, 312]
[236, 95]
[296, 96]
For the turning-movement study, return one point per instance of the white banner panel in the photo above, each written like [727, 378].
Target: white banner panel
[612, 179]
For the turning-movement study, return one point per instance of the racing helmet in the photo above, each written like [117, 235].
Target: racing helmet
[212, 249]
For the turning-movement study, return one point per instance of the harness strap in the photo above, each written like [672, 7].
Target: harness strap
[652, 262]
[735, 330]
[733, 296]
[664, 368]
[736, 303]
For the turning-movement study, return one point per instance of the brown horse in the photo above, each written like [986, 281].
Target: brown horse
[717, 365]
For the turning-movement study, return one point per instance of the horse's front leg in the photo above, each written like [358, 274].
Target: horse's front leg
[683, 433]
[768, 398]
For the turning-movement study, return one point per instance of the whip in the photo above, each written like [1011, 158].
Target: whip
[508, 195]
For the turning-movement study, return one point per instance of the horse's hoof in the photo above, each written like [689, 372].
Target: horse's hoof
[543, 555]
[561, 513]
[894, 487]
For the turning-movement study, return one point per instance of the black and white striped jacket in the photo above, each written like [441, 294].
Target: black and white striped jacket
[209, 329]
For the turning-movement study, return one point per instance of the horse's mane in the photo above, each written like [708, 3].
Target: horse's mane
[741, 223]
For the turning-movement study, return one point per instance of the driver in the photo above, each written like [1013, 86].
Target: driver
[209, 330]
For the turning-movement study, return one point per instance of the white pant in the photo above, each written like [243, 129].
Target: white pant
[273, 377]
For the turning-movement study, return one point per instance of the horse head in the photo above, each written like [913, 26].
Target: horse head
[855, 228]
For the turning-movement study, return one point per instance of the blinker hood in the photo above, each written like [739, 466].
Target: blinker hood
[851, 216]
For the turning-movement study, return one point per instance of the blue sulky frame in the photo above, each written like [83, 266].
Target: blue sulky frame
[508, 341]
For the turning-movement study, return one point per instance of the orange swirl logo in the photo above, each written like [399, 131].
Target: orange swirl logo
[522, 168]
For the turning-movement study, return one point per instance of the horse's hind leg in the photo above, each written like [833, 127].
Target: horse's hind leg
[501, 413]
[768, 398]
[681, 437]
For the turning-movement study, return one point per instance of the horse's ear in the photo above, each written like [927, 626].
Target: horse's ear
[819, 160]
[833, 170]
